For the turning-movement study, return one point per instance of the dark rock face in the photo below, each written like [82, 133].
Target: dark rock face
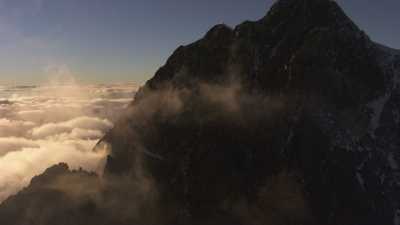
[314, 92]
[292, 119]
[75, 197]
[46, 202]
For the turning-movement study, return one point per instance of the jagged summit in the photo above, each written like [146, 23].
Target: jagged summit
[270, 53]
[288, 22]
[218, 30]
[50, 174]
[308, 14]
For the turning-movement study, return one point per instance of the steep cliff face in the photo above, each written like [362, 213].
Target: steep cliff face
[301, 93]
[292, 119]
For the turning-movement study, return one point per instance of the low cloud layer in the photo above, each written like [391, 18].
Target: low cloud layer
[45, 125]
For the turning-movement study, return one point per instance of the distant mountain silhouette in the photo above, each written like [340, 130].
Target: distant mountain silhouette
[292, 119]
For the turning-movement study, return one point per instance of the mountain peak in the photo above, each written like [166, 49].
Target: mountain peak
[303, 3]
[308, 14]
[50, 174]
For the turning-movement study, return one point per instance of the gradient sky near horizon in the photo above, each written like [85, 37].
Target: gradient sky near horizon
[127, 40]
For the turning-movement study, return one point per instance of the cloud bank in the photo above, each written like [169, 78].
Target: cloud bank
[45, 125]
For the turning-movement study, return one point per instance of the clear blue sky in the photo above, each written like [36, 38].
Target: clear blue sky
[127, 40]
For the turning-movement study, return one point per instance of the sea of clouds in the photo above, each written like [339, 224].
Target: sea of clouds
[59, 122]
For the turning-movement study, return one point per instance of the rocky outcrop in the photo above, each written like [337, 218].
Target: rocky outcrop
[58, 196]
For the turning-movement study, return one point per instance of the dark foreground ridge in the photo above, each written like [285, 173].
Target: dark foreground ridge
[292, 119]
